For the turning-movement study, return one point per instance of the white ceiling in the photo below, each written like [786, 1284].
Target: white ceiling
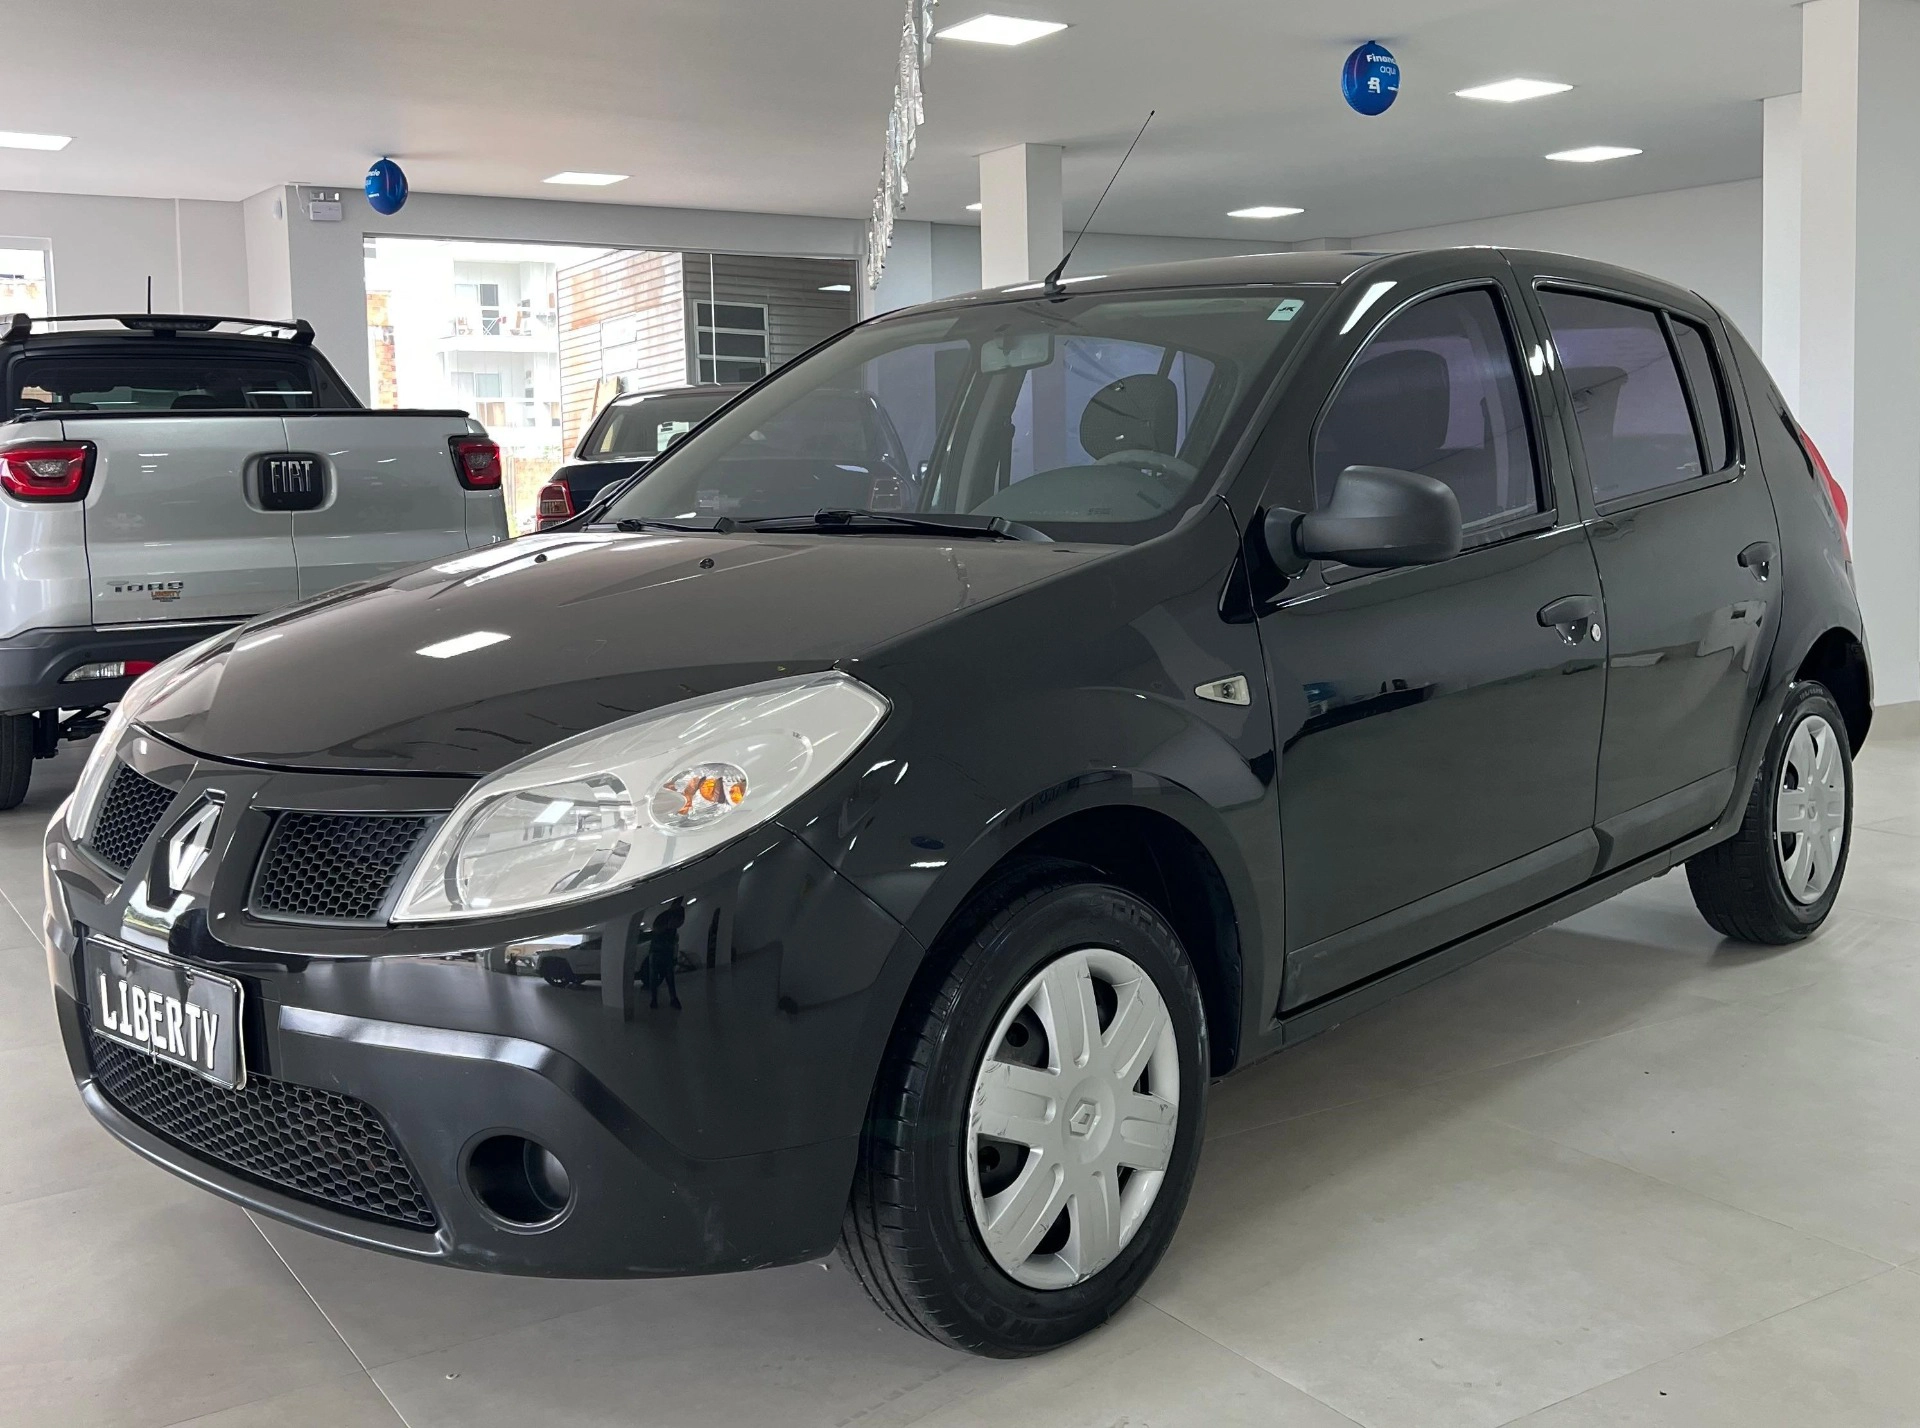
[778, 105]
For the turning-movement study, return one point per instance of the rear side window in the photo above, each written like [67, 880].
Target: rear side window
[1709, 392]
[1437, 391]
[1635, 426]
[160, 382]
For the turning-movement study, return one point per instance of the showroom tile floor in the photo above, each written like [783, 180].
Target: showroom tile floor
[1621, 1173]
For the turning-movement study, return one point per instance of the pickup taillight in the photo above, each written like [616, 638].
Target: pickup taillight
[47, 470]
[476, 461]
[556, 504]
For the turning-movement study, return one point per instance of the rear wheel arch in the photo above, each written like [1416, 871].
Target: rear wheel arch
[1838, 660]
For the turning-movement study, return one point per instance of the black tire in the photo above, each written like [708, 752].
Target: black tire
[16, 758]
[1738, 885]
[909, 1235]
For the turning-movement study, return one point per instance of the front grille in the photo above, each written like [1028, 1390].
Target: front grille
[335, 866]
[133, 805]
[311, 1143]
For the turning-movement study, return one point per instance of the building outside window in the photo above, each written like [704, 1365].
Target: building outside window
[732, 341]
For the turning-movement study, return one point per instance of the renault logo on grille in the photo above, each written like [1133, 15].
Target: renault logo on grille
[191, 843]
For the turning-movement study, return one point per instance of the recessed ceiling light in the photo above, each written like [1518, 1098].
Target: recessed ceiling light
[837, 288]
[9, 140]
[1512, 91]
[1266, 210]
[1593, 154]
[588, 180]
[999, 30]
[973, 208]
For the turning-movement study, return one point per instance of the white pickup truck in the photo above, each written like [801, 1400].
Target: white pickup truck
[168, 476]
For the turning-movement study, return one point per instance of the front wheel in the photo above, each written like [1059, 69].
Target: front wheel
[1776, 879]
[16, 758]
[1036, 1125]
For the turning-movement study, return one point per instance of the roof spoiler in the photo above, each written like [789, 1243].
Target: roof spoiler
[298, 330]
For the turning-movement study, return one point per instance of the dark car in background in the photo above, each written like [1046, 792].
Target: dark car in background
[845, 432]
[629, 432]
[750, 868]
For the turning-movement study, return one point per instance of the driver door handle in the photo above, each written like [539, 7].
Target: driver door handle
[1576, 617]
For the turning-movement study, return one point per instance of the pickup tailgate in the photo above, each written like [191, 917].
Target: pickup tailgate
[173, 529]
[394, 498]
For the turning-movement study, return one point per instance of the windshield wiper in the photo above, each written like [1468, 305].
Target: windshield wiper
[724, 525]
[976, 528]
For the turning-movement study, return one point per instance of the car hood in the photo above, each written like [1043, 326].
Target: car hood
[465, 666]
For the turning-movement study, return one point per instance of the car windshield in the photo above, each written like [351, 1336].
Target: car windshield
[1100, 417]
[648, 426]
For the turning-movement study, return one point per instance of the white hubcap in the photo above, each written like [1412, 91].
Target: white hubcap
[1810, 810]
[1073, 1118]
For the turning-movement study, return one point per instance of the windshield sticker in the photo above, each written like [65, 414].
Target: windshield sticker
[1287, 311]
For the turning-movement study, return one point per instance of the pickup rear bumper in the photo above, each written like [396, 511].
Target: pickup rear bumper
[34, 662]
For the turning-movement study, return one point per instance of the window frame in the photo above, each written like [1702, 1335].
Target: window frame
[1729, 414]
[1495, 532]
[1664, 313]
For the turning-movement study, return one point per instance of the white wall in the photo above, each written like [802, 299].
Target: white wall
[104, 250]
[1704, 239]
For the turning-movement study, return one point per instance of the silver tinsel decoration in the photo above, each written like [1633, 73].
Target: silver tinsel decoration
[903, 124]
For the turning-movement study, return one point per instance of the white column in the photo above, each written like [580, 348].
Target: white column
[1780, 244]
[1860, 302]
[1021, 230]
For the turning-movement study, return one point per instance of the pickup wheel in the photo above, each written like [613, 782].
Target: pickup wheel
[1775, 880]
[16, 758]
[1037, 1122]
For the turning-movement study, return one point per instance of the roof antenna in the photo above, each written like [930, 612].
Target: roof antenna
[149, 294]
[1053, 285]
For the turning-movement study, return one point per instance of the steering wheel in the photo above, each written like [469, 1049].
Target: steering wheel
[1157, 461]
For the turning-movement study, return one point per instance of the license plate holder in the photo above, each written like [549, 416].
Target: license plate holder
[142, 1000]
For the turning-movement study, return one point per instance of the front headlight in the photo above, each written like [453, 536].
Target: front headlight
[85, 803]
[610, 807]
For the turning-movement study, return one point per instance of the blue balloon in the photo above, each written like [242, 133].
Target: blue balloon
[386, 187]
[1371, 79]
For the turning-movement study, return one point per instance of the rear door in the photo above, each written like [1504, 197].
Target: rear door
[1687, 545]
[391, 497]
[176, 529]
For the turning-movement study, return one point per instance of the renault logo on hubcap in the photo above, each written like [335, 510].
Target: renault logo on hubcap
[1084, 1118]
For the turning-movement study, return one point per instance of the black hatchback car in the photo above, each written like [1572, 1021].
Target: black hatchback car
[750, 871]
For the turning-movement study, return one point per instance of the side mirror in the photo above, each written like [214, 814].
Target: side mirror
[1378, 519]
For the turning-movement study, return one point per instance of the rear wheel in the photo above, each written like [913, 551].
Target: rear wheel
[1775, 880]
[16, 758]
[1036, 1126]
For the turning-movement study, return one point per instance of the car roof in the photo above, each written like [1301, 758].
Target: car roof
[719, 391]
[1305, 269]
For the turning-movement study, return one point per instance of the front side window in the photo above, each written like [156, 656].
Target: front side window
[1095, 417]
[1635, 426]
[1437, 391]
[156, 383]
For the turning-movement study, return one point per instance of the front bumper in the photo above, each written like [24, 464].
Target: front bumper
[33, 663]
[707, 1109]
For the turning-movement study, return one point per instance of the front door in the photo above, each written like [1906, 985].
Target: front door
[1688, 551]
[1437, 770]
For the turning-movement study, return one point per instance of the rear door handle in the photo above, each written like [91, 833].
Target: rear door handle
[1759, 558]
[1576, 617]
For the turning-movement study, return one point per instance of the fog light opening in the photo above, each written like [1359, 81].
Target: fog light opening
[519, 1180]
